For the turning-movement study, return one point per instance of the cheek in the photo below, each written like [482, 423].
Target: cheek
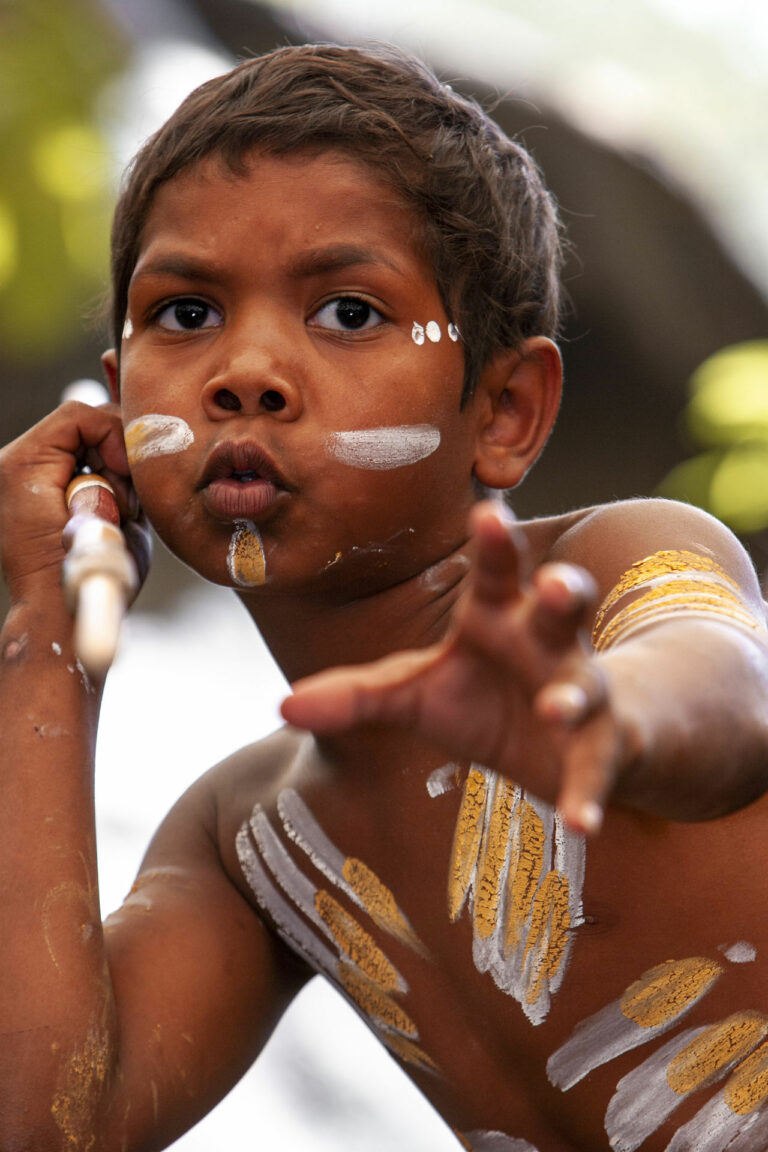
[156, 434]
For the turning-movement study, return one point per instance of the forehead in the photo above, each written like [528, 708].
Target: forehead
[302, 199]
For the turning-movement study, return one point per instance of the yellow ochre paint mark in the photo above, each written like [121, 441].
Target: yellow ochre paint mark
[651, 568]
[663, 992]
[708, 1053]
[494, 852]
[670, 598]
[548, 934]
[747, 1088]
[466, 840]
[245, 559]
[409, 1052]
[72, 1106]
[352, 939]
[374, 1001]
[379, 902]
[525, 868]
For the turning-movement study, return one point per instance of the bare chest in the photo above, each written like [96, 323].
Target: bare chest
[545, 995]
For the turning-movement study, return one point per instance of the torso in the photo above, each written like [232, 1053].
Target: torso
[356, 880]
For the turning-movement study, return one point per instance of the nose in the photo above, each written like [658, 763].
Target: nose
[253, 379]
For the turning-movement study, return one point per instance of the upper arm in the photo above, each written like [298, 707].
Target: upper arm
[608, 540]
[199, 982]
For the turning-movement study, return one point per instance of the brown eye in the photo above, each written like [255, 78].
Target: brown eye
[188, 316]
[347, 314]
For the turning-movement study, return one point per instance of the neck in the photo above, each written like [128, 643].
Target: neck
[309, 633]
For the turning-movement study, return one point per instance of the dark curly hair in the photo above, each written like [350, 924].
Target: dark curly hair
[489, 225]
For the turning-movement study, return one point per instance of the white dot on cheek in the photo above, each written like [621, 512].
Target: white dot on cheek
[453, 332]
[417, 333]
[433, 331]
[127, 329]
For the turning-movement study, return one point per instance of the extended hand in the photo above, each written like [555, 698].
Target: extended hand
[513, 686]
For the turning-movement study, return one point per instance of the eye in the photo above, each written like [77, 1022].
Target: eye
[187, 316]
[347, 314]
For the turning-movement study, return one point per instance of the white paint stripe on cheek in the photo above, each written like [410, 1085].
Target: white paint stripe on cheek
[156, 435]
[379, 449]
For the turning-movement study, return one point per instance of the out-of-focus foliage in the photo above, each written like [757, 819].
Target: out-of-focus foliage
[56, 172]
[727, 415]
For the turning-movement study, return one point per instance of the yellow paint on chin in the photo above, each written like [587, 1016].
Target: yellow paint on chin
[245, 559]
[747, 1088]
[663, 992]
[708, 1053]
[525, 868]
[379, 902]
[352, 939]
[466, 840]
[495, 843]
[548, 935]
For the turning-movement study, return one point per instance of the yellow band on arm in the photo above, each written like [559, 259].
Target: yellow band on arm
[671, 582]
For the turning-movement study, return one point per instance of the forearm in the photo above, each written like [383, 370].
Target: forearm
[56, 1007]
[693, 697]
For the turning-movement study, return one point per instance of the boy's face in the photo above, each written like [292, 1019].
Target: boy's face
[289, 380]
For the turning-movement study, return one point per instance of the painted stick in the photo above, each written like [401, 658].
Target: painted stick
[99, 572]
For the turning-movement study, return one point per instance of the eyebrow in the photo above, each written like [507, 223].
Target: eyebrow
[315, 262]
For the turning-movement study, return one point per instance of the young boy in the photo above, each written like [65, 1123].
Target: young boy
[335, 297]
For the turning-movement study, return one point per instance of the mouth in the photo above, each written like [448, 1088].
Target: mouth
[240, 482]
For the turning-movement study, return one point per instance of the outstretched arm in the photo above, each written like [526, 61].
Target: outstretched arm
[671, 719]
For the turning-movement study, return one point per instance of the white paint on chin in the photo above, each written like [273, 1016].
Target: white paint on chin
[380, 449]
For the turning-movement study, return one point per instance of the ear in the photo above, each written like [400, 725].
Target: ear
[112, 373]
[519, 396]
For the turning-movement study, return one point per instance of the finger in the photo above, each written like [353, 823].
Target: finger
[499, 556]
[563, 597]
[342, 698]
[589, 770]
[569, 701]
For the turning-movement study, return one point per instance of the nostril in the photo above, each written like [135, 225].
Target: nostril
[272, 401]
[227, 400]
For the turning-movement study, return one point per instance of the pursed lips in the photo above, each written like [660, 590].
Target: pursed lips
[240, 481]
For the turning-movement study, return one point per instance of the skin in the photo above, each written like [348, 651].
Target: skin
[421, 628]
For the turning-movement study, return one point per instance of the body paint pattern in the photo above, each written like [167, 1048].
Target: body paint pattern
[245, 559]
[486, 1141]
[379, 449]
[736, 1118]
[156, 435]
[521, 874]
[313, 922]
[671, 582]
[432, 332]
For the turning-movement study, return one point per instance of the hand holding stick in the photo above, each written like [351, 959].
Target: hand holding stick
[99, 573]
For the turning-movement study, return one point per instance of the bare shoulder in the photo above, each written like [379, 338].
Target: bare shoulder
[609, 538]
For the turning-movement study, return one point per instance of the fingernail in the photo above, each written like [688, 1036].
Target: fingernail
[570, 702]
[590, 817]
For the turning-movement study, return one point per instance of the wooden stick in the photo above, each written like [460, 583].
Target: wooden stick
[99, 572]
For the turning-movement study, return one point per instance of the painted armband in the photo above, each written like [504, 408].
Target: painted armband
[664, 585]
